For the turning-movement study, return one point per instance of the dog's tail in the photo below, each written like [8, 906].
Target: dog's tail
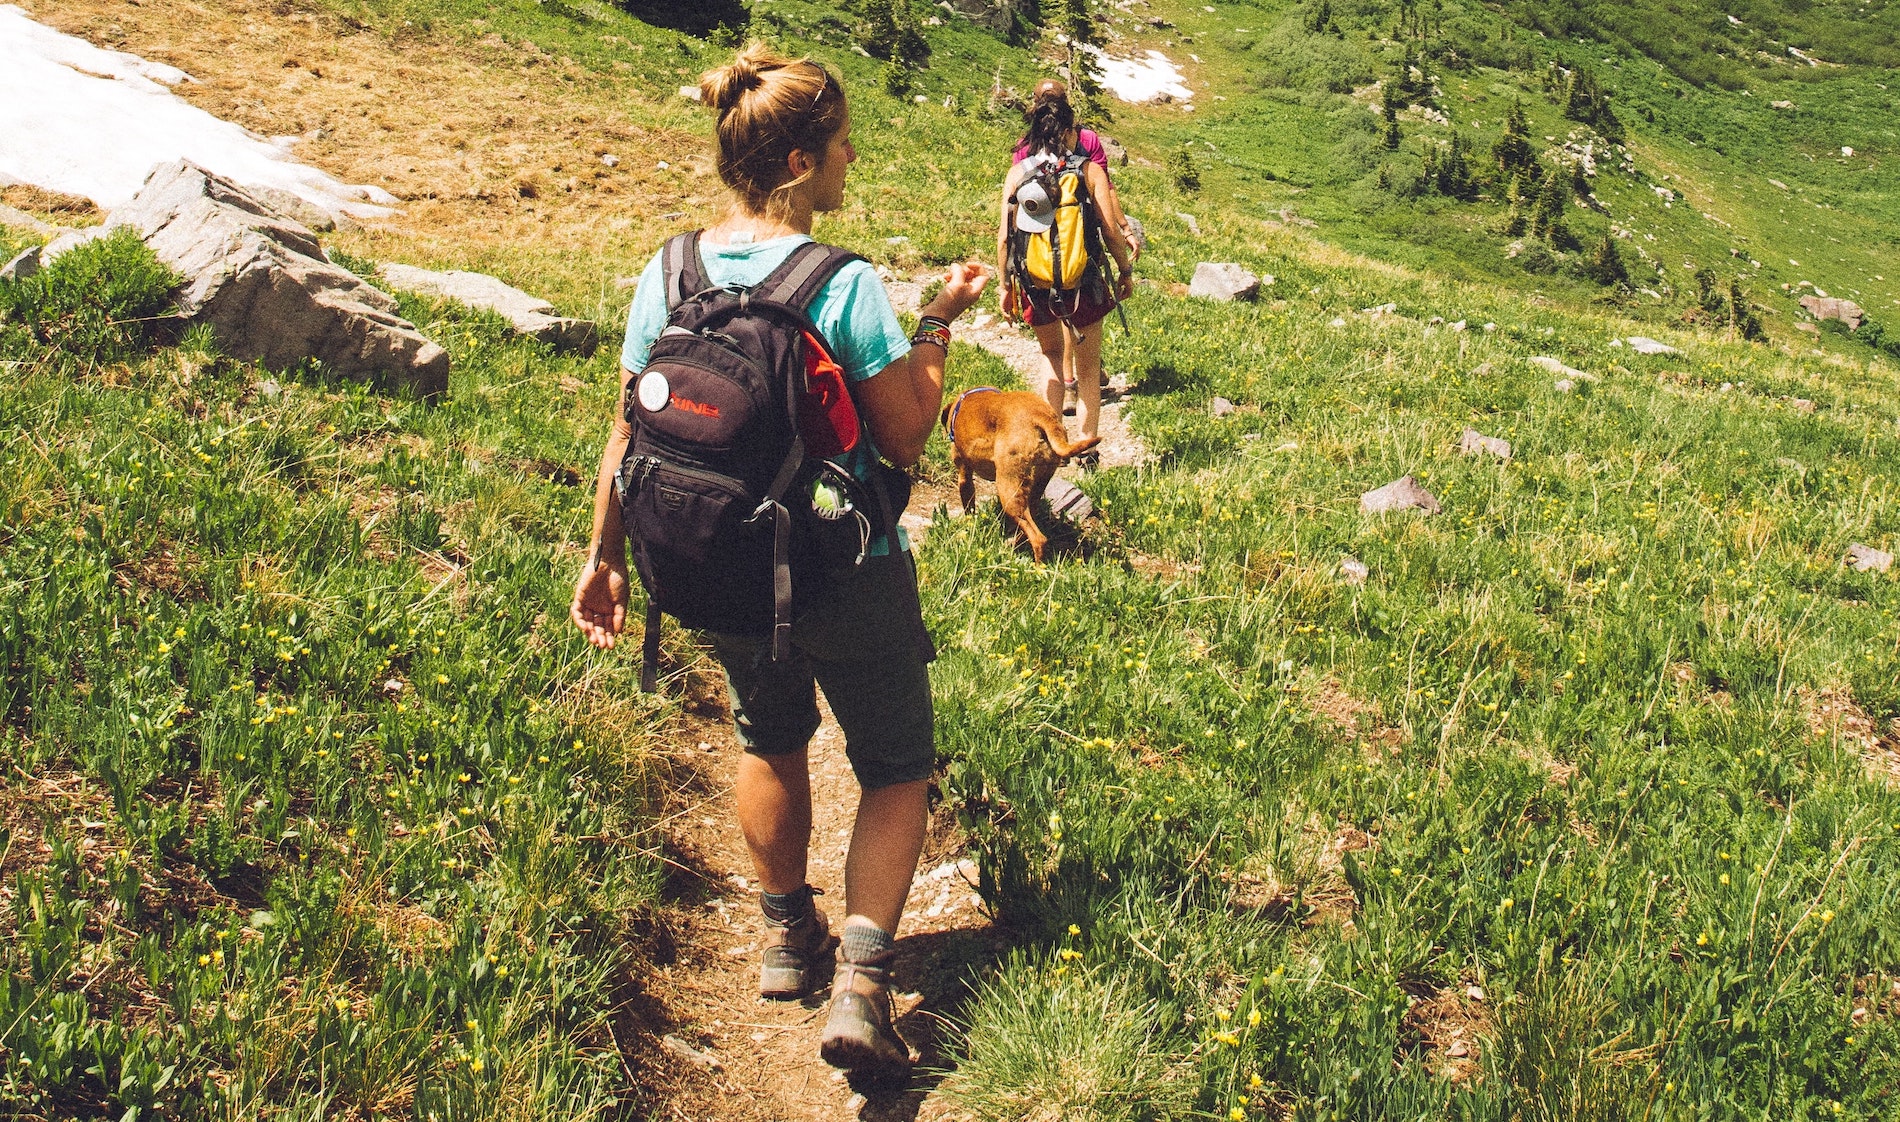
[1059, 440]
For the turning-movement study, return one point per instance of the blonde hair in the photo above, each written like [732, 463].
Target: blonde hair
[769, 107]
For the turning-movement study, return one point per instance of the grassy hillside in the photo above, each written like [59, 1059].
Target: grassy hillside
[1583, 804]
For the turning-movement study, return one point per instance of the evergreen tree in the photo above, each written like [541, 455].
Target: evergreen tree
[1513, 151]
[1547, 214]
[1606, 264]
[1321, 16]
[1181, 169]
[1741, 315]
[1390, 105]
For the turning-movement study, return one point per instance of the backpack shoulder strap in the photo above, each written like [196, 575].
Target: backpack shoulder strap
[684, 269]
[801, 276]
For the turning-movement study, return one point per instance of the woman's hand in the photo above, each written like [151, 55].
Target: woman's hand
[1125, 284]
[963, 286]
[600, 604]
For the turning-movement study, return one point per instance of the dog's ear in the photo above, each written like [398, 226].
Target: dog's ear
[943, 418]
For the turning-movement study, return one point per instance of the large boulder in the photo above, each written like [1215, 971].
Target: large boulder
[528, 315]
[1833, 307]
[1224, 282]
[265, 286]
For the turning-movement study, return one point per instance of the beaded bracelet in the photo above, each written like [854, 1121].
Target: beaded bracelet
[930, 329]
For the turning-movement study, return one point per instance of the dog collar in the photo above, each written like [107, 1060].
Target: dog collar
[950, 425]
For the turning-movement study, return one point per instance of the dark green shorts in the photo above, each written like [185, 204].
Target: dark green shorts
[868, 650]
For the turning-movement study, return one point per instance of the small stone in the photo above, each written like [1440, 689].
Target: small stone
[1867, 559]
[737, 880]
[1802, 405]
[1458, 1049]
[1458, 325]
[1476, 442]
[1188, 220]
[1381, 309]
[1353, 571]
[705, 746]
[622, 284]
[1475, 993]
[1068, 502]
[1559, 368]
[269, 388]
[610, 160]
[23, 265]
[1402, 493]
[1220, 407]
[1224, 282]
[1490, 327]
[1338, 321]
[394, 687]
[1643, 345]
[1289, 446]
[690, 93]
[691, 1054]
[1563, 385]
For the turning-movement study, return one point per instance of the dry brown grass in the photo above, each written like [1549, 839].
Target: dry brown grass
[494, 147]
[1832, 713]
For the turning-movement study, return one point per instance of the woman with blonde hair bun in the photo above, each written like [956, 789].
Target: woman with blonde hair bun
[784, 147]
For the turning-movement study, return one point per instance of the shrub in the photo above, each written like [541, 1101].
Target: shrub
[1605, 264]
[1181, 169]
[101, 302]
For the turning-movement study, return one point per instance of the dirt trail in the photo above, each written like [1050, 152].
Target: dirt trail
[718, 1049]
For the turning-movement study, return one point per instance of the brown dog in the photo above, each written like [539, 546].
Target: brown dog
[1016, 441]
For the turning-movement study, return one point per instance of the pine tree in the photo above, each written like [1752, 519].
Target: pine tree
[1606, 264]
[1321, 17]
[1547, 214]
[1513, 151]
[1390, 106]
[1741, 314]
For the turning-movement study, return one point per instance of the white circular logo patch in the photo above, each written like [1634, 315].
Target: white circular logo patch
[654, 391]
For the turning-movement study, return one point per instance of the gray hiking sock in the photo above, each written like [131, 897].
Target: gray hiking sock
[787, 907]
[862, 943]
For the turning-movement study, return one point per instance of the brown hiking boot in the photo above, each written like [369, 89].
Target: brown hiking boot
[792, 953]
[859, 1036]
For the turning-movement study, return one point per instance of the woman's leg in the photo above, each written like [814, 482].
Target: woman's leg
[886, 842]
[774, 795]
[1088, 376]
[1052, 339]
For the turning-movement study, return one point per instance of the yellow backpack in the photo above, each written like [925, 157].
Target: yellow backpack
[1055, 233]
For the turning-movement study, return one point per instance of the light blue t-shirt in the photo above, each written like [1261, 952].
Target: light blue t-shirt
[852, 312]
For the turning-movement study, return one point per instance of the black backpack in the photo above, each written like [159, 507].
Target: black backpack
[731, 520]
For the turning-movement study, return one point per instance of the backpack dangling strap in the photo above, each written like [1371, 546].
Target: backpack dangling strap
[650, 649]
[684, 269]
[782, 547]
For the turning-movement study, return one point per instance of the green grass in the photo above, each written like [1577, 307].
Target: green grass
[340, 818]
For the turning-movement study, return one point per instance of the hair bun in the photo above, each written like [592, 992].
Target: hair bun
[723, 86]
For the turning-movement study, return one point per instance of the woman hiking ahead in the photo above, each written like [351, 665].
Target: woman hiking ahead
[1060, 220]
[852, 625]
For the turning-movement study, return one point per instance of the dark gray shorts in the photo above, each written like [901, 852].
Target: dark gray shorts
[868, 650]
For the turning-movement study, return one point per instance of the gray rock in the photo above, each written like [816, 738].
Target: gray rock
[263, 284]
[1833, 307]
[1402, 493]
[1802, 405]
[1867, 559]
[1220, 407]
[1067, 502]
[1475, 442]
[20, 220]
[529, 315]
[1557, 367]
[315, 217]
[1223, 282]
[23, 265]
[1563, 385]
[1193, 224]
[1353, 571]
[1643, 345]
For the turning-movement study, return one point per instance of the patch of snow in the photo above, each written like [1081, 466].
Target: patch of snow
[85, 121]
[1136, 80]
